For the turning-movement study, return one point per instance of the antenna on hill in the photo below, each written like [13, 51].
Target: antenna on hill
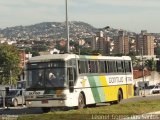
[67, 28]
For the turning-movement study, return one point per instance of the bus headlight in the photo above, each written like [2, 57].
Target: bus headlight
[29, 103]
[61, 102]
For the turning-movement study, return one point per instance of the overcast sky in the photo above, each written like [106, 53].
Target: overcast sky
[133, 15]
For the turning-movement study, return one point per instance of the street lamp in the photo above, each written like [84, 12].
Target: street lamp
[67, 28]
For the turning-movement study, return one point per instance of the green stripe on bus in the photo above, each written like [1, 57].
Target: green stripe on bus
[97, 91]
[94, 89]
[97, 81]
[100, 89]
[101, 94]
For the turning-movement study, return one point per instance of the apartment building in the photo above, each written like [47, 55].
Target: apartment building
[101, 43]
[145, 43]
[122, 43]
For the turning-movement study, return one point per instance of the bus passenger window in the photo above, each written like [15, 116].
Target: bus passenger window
[123, 67]
[93, 65]
[119, 66]
[83, 67]
[106, 66]
[102, 67]
[112, 66]
[127, 66]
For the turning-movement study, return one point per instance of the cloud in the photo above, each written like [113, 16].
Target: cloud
[26, 2]
[135, 3]
[120, 13]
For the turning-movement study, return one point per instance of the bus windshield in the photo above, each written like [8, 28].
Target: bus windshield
[46, 75]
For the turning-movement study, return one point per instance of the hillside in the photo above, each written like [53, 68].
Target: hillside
[55, 30]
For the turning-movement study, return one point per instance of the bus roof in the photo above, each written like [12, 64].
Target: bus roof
[51, 57]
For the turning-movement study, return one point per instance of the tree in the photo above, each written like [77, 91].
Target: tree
[39, 47]
[85, 51]
[29, 50]
[9, 64]
[151, 64]
[35, 53]
[157, 50]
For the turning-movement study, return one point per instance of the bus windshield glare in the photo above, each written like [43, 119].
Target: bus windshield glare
[48, 74]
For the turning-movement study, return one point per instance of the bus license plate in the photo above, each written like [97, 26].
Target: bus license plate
[44, 101]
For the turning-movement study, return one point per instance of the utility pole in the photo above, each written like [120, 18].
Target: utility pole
[80, 45]
[67, 28]
[143, 74]
[11, 78]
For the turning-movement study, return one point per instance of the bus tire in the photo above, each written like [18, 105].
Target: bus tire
[46, 109]
[81, 101]
[120, 97]
[114, 102]
[15, 103]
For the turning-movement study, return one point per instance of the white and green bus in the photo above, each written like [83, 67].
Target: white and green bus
[69, 80]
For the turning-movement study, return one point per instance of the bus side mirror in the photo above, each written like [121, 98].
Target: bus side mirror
[71, 79]
[71, 83]
[71, 86]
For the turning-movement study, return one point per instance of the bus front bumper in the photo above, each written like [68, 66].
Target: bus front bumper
[46, 103]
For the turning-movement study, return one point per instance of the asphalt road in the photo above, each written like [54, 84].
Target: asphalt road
[27, 111]
[20, 111]
[142, 98]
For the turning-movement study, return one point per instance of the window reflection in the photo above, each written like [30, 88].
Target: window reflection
[47, 78]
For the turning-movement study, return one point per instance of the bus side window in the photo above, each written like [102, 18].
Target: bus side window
[127, 66]
[102, 66]
[114, 67]
[123, 67]
[82, 66]
[119, 66]
[111, 67]
[93, 65]
[106, 67]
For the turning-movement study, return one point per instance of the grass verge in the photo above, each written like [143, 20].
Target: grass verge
[103, 112]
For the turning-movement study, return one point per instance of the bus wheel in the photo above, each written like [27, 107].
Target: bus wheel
[81, 101]
[119, 96]
[15, 103]
[46, 109]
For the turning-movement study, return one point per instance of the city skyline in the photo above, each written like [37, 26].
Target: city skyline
[121, 14]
